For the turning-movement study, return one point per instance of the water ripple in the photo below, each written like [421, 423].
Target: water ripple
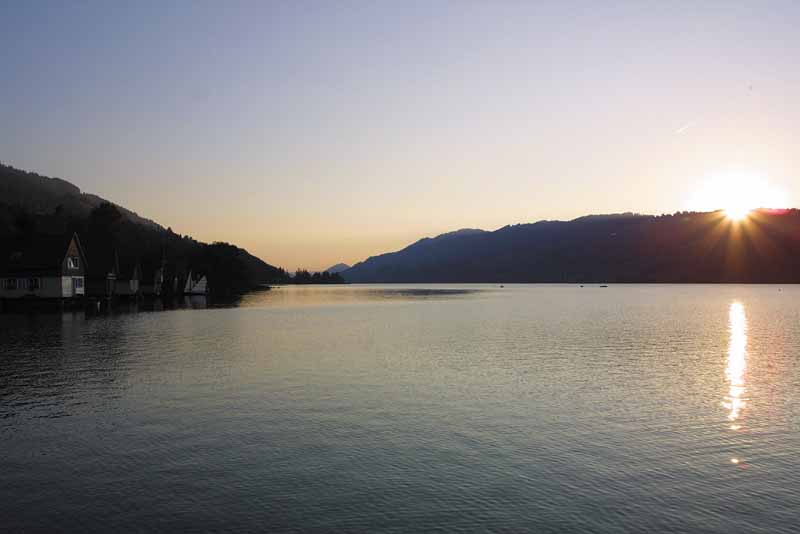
[418, 409]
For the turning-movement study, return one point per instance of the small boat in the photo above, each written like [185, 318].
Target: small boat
[603, 286]
[200, 287]
[188, 286]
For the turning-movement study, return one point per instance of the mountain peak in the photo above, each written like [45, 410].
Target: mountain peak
[339, 267]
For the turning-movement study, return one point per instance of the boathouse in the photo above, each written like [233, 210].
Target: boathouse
[101, 276]
[129, 278]
[51, 267]
[152, 281]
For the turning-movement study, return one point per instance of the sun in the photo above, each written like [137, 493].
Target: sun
[737, 213]
[737, 194]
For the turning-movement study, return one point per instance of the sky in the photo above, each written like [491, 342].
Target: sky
[317, 132]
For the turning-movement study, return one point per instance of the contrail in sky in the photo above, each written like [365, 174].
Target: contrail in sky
[684, 127]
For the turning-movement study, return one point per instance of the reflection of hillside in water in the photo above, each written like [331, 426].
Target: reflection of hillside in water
[49, 360]
[316, 295]
[194, 302]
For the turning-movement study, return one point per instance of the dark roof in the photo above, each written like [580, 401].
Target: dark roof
[43, 254]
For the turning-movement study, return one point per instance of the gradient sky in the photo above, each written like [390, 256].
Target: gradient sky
[317, 132]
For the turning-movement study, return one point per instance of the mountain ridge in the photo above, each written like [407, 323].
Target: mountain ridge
[624, 247]
[39, 193]
[339, 267]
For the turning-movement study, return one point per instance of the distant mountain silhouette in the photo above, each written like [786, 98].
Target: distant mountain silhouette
[683, 247]
[339, 267]
[32, 205]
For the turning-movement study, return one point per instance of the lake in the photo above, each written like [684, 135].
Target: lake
[457, 408]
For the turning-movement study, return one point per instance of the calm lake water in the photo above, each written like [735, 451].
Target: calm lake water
[539, 408]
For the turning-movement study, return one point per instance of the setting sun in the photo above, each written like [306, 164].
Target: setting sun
[737, 213]
[737, 194]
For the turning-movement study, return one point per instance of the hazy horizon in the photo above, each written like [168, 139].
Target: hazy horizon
[312, 134]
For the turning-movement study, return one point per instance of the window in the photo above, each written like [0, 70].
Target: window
[72, 262]
[77, 283]
[33, 284]
[10, 284]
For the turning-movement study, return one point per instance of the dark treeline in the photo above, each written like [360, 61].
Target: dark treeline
[106, 232]
[301, 276]
[33, 205]
[682, 247]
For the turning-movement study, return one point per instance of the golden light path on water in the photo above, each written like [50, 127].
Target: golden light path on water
[736, 367]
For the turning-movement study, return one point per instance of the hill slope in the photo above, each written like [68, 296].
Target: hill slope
[32, 205]
[42, 194]
[684, 247]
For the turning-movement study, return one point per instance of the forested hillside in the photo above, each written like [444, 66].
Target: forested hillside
[32, 205]
[683, 247]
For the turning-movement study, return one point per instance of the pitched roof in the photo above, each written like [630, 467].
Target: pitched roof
[43, 254]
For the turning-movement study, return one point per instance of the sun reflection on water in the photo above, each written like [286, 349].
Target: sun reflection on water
[736, 368]
[737, 361]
